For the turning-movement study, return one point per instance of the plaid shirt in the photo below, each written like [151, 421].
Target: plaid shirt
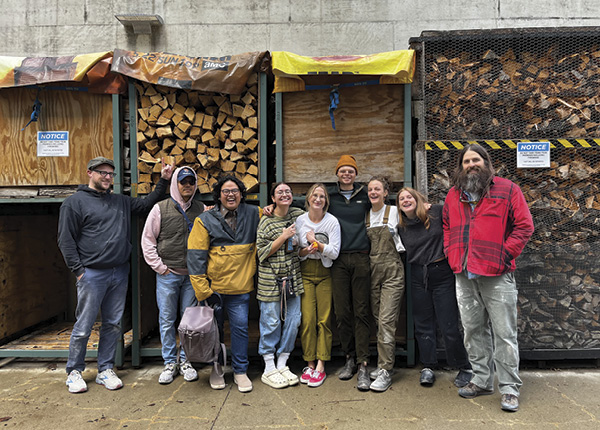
[491, 235]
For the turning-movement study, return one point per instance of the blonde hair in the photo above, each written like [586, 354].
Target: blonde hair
[421, 211]
[310, 192]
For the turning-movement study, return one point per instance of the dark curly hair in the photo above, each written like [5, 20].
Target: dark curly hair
[219, 185]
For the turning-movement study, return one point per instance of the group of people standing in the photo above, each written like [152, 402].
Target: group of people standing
[343, 252]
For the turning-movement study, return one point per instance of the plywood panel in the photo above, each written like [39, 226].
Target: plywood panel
[369, 125]
[87, 117]
[33, 277]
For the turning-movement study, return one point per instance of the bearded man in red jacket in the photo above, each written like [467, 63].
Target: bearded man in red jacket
[487, 224]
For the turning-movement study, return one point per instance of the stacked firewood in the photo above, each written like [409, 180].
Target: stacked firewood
[508, 94]
[558, 273]
[213, 133]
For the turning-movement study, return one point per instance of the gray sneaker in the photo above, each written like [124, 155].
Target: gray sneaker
[167, 375]
[76, 383]
[383, 381]
[373, 374]
[188, 372]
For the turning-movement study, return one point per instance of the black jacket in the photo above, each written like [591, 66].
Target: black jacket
[94, 228]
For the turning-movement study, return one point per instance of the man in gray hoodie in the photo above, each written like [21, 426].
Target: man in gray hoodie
[94, 230]
[164, 244]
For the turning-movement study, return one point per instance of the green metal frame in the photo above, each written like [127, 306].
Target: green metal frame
[118, 187]
[138, 350]
[409, 352]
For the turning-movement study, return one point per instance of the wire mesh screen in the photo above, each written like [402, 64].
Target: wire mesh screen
[517, 83]
[558, 274]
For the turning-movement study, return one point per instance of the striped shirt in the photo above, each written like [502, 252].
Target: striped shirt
[281, 263]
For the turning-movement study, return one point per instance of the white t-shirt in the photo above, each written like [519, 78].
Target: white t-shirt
[393, 220]
[327, 232]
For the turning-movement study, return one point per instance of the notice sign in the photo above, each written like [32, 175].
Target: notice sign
[53, 144]
[533, 154]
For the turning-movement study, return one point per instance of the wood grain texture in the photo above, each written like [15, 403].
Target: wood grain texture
[33, 275]
[369, 125]
[87, 117]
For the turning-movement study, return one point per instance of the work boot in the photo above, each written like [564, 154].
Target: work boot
[463, 377]
[470, 391]
[509, 403]
[348, 370]
[363, 380]
[427, 377]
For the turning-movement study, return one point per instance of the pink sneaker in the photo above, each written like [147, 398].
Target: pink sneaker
[307, 374]
[317, 379]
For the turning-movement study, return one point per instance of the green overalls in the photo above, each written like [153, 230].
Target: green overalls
[387, 288]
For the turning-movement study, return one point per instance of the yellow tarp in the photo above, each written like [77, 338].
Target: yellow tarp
[292, 72]
[22, 71]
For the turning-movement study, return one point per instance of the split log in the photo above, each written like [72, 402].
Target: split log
[212, 133]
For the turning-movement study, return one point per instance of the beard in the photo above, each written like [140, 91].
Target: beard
[475, 180]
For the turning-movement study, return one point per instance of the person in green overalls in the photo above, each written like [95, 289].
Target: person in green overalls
[387, 278]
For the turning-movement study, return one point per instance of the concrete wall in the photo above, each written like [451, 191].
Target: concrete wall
[307, 27]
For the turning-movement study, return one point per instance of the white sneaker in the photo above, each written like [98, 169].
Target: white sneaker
[76, 383]
[167, 375]
[188, 372]
[109, 379]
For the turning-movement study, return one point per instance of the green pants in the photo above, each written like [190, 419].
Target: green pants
[351, 277]
[387, 288]
[315, 329]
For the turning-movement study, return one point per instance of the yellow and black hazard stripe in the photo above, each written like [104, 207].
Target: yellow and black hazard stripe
[450, 145]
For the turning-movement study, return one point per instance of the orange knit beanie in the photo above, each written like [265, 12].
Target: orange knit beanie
[347, 160]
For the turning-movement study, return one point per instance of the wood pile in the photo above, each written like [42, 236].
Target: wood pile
[213, 133]
[558, 273]
[512, 94]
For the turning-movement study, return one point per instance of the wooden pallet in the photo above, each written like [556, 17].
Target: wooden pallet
[56, 337]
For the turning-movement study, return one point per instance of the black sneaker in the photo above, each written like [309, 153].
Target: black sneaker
[363, 381]
[470, 391]
[427, 377]
[463, 377]
[509, 403]
[348, 370]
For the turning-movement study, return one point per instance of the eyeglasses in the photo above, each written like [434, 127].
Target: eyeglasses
[105, 174]
[187, 181]
[284, 192]
[234, 192]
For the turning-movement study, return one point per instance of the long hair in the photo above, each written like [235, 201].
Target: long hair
[487, 160]
[421, 211]
[219, 185]
[310, 192]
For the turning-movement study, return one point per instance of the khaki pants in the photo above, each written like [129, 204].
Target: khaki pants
[387, 288]
[315, 330]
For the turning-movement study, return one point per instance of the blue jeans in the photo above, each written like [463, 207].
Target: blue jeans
[277, 336]
[102, 290]
[488, 304]
[173, 293]
[237, 307]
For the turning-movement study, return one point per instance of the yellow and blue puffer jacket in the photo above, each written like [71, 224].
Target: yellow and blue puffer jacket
[219, 259]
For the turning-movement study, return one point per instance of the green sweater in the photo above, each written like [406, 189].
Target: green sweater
[281, 263]
[351, 216]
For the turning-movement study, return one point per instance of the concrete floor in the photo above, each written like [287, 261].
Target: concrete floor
[33, 395]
